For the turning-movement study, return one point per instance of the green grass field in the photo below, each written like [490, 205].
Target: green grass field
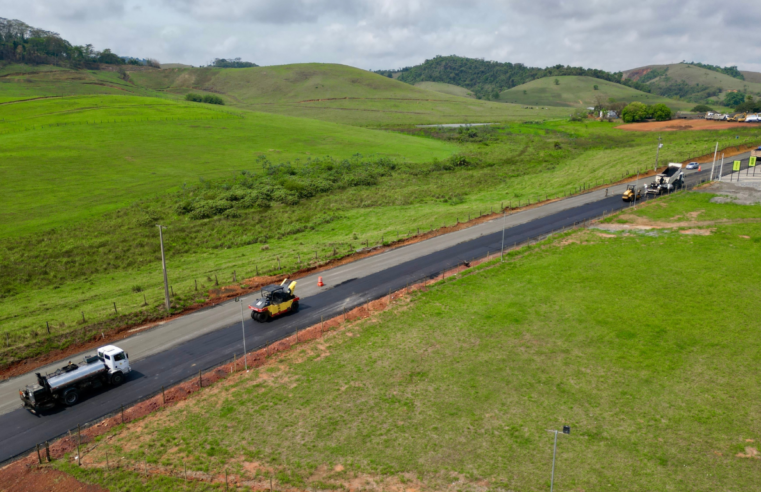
[578, 92]
[645, 343]
[80, 217]
[65, 160]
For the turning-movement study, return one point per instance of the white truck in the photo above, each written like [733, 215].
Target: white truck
[65, 386]
[753, 118]
[666, 182]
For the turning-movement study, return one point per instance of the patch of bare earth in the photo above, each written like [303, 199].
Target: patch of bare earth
[27, 477]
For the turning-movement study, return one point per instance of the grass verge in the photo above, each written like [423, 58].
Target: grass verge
[621, 336]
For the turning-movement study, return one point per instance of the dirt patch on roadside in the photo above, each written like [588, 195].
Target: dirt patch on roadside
[21, 477]
[698, 232]
[732, 193]
[680, 125]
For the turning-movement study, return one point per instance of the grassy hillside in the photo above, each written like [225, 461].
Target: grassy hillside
[754, 77]
[66, 159]
[453, 90]
[698, 80]
[433, 396]
[330, 92]
[579, 92]
[27, 81]
[334, 93]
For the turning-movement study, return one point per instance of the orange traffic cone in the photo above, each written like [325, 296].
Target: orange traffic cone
[700, 168]
[319, 282]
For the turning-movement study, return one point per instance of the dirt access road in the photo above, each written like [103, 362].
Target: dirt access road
[676, 125]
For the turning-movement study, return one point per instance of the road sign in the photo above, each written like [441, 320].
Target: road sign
[752, 162]
[736, 166]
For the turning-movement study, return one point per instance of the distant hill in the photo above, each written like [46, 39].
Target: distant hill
[693, 83]
[327, 92]
[488, 78]
[579, 92]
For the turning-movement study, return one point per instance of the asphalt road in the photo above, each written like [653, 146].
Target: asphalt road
[175, 351]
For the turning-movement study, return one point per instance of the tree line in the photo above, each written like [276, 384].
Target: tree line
[21, 43]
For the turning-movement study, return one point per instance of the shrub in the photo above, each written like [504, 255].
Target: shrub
[660, 112]
[701, 108]
[633, 112]
[209, 99]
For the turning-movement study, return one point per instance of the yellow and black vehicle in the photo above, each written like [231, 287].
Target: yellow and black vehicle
[632, 193]
[275, 300]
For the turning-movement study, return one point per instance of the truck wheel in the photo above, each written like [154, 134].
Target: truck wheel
[254, 315]
[295, 307]
[71, 397]
[264, 317]
[117, 378]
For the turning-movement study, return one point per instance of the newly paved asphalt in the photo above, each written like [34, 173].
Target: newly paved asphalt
[175, 351]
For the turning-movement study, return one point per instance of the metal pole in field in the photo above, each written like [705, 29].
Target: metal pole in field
[566, 430]
[163, 266]
[714, 159]
[504, 220]
[657, 151]
[243, 331]
[554, 451]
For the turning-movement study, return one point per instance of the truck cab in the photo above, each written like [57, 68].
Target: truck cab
[114, 358]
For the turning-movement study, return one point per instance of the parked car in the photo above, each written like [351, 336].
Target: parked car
[692, 165]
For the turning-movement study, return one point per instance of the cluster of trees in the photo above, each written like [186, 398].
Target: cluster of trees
[731, 71]
[743, 103]
[21, 43]
[231, 63]
[208, 98]
[637, 111]
[487, 78]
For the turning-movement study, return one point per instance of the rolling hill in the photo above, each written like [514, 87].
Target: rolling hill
[330, 92]
[327, 92]
[693, 82]
[454, 90]
[579, 92]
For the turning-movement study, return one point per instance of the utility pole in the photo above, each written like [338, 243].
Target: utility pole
[566, 430]
[504, 219]
[657, 152]
[721, 169]
[714, 160]
[243, 330]
[168, 303]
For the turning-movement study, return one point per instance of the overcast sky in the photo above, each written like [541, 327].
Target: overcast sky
[374, 34]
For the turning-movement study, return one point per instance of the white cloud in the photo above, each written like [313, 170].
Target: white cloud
[608, 34]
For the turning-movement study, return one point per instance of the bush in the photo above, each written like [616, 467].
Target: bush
[749, 107]
[634, 112]
[208, 99]
[578, 115]
[660, 112]
[701, 108]
[733, 99]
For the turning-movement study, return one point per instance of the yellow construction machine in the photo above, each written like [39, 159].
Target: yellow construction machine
[275, 300]
[632, 193]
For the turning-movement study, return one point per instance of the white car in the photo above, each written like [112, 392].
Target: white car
[692, 165]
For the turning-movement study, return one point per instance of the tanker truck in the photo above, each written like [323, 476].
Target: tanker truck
[66, 385]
